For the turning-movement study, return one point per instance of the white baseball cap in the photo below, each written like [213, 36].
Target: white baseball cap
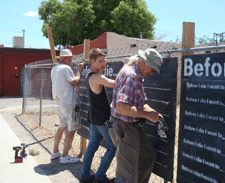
[65, 53]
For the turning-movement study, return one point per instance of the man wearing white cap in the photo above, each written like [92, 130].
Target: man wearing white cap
[63, 89]
[135, 157]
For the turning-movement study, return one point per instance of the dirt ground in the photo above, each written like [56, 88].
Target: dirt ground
[40, 138]
[40, 141]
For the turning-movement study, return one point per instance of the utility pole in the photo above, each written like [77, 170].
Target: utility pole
[141, 35]
[220, 35]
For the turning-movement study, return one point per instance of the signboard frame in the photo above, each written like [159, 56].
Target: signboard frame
[201, 130]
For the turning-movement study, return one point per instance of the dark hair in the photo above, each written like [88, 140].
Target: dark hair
[95, 53]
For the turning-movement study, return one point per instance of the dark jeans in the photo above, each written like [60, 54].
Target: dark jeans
[97, 133]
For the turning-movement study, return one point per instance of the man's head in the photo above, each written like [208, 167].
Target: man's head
[149, 61]
[97, 59]
[152, 58]
[65, 56]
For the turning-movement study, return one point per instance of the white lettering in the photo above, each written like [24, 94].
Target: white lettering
[200, 130]
[207, 64]
[191, 99]
[203, 69]
[188, 70]
[189, 113]
[209, 163]
[187, 141]
[213, 118]
[214, 102]
[213, 149]
[186, 169]
[219, 69]
[198, 69]
[186, 155]
[188, 127]
[203, 101]
[190, 85]
[214, 86]
[199, 145]
[198, 159]
[108, 71]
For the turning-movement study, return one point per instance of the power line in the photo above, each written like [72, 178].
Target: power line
[21, 32]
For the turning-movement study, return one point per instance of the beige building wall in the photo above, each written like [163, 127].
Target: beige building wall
[122, 45]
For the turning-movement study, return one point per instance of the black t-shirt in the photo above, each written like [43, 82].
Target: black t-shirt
[99, 111]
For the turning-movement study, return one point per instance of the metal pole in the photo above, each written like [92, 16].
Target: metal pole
[24, 90]
[41, 96]
[23, 38]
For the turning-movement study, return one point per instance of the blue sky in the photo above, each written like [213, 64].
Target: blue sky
[208, 15]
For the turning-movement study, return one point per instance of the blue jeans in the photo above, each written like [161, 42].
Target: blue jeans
[97, 132]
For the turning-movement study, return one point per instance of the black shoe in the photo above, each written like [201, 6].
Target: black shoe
[105, 180]
[112, 180]
[90, 180]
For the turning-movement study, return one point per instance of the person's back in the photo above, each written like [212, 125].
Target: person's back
[63, 83]
[99, 111]
[61, 87]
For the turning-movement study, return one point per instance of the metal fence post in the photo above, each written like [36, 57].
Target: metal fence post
[41, 90]
[24, 90]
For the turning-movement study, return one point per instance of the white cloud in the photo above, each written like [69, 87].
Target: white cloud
[31, 13]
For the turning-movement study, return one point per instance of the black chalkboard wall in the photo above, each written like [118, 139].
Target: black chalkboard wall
[161, 93]
[201, 156]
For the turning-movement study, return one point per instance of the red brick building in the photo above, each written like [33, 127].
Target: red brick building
[12, 60]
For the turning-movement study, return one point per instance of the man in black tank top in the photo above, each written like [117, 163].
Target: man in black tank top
[98, 114]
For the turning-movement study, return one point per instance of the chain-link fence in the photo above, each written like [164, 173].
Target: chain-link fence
[39, 105]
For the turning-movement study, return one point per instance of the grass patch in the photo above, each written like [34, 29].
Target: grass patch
[33, 152]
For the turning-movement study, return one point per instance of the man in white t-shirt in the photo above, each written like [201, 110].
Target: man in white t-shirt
[63, 90]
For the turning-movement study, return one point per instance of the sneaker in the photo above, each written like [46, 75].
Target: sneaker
[105, 180]
[90, 180]
[56, 155]
[68, 159]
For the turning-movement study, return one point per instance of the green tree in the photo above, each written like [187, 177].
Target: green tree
[131, 19]
[75, 20]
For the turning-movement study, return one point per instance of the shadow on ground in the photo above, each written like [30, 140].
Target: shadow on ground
[54, 167]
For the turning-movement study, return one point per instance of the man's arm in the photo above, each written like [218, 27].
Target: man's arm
[76, 81]
[132, 111]
[96, 81]
[102, 80]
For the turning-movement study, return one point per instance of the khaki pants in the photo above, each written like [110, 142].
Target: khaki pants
[135, 158]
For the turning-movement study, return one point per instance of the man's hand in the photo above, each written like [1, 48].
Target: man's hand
[106, 62]
[81, 67]
[125, 61]
[152, 116]
[76, 81]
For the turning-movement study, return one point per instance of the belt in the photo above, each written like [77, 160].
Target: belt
[140, 123]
